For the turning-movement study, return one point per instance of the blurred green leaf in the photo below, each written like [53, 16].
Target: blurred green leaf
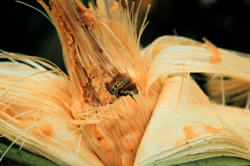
[25, 157]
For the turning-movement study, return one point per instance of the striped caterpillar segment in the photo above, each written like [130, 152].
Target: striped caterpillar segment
[128, 92]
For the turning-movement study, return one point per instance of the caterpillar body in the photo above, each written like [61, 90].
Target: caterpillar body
[128, 92]
[118, 86]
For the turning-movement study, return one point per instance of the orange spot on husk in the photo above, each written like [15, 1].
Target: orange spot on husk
[188, 133]
[215, 58]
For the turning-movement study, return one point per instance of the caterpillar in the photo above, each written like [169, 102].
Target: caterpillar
[118, 86]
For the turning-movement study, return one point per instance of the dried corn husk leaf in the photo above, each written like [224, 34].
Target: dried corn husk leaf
[215, 63]
[229, 89]
[169, 60]
[185, 127]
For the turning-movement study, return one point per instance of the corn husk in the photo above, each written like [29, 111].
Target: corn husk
[75, 120]
[35, 111]
[186, 126]
[178, 116]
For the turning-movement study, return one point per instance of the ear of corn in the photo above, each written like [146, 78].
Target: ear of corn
[78, 121]
[99, 49]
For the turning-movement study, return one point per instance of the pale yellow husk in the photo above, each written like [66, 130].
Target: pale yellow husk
[35, 108]
[186, 126]
[70, 128]
[233, 91]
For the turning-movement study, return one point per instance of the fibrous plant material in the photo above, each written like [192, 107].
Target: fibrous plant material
[99, 113]
[100, 49]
